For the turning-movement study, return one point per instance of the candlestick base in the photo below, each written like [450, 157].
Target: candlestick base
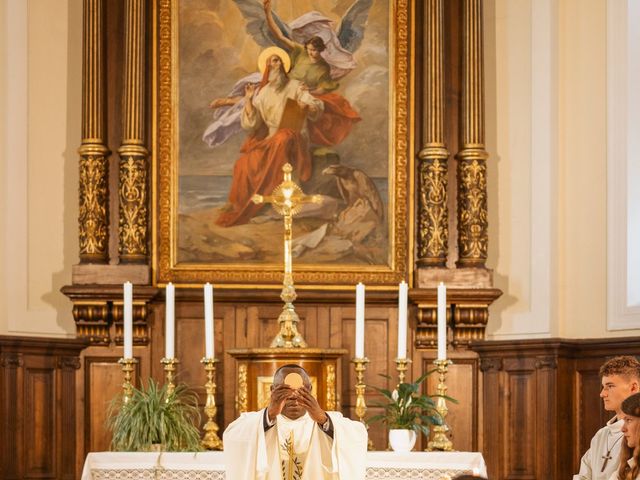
[402, 367]
[211, 440]
[169, 372]
[440, 439]
[127, 371]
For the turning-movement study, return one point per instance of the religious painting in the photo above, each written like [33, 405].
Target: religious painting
[245, 87]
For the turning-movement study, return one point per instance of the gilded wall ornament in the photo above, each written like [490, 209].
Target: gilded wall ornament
[92, 321]
[433, 217]
[331, 403]
[133, 208]
[472, 211]
[242, 401]
[93, 216]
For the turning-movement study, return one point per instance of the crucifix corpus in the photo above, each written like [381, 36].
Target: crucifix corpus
[287, 200]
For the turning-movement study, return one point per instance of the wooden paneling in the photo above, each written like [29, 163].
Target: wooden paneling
[37, 408]
[541, 403]
[242, 321]
[40, 401]
[462, 385]
[102, 382]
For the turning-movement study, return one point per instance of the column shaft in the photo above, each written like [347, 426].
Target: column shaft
[472, 165]
[93, 218]
[133, 171]
[433, 231]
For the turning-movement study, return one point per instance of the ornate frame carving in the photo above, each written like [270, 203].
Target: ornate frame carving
[400, 161]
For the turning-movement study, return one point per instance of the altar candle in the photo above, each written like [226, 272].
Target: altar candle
[208, 321]
[128, 320]
[360, 320]
[403, 292]
[442, 322]
[170, 326]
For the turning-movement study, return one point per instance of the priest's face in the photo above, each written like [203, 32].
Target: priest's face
[292, 409]
[615, 389]
[630, 430]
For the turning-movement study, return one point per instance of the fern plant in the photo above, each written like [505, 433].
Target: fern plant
[153, 416]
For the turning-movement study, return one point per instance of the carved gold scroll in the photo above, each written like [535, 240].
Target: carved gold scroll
[472, 158]
[133, 183]
[94, 168]
[433, 232]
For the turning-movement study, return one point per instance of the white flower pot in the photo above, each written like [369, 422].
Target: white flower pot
[402, 440]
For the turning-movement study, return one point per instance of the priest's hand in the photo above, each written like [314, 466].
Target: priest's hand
[310, 404]
[279, 395]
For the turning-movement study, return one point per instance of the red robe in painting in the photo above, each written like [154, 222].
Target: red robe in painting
[268, 148]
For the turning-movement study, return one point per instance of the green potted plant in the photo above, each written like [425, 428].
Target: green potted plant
[154, 419]
[407, 412]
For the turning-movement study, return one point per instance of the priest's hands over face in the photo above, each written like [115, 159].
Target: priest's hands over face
[281, 393]
[310, 404]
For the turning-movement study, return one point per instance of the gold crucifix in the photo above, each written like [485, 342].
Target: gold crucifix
[287, 200]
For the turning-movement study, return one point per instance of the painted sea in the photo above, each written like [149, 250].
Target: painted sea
[334, 233]
[203, 192]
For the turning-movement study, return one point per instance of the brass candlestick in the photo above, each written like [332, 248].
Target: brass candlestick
[287, 199]
[402, 366]
[170, 373]
[211, 441]
[127, 369]
[440, 440]
[361, 406]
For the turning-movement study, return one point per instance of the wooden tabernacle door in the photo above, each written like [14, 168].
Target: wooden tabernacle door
[256, 366]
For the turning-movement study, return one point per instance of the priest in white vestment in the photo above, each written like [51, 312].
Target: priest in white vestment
[620, 379]
[293, 438]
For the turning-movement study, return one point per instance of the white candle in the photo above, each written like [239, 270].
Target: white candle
[360, 320]
[128, 320]
[208, 321]
[442, 322]
[169, 319]
[403, 293]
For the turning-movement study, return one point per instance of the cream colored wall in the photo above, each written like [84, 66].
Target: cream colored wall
[41, 50]
[582, 237]
[3, 157]
[546, 74]
[546, 133]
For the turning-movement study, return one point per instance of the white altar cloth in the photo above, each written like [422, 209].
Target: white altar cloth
[210, 466]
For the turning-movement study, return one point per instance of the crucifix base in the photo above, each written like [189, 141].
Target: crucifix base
[288, 337]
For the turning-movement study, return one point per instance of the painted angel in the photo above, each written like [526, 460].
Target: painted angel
[319, 57]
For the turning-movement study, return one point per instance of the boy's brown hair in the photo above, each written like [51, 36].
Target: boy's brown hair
[625, 365]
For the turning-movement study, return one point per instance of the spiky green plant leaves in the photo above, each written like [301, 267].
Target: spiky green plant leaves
[154, 417]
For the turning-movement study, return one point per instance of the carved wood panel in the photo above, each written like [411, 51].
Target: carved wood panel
[103, 380]
[521, 422]
[541, 403]
[462, 384]
[40, 423]
[38, 408]
[248, 325]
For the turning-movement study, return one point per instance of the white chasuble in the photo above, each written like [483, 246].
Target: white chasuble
[294, 449]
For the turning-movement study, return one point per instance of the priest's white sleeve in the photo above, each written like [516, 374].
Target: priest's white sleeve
[349, 448]
[245, 450]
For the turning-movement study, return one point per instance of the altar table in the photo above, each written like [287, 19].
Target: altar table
[210, 466]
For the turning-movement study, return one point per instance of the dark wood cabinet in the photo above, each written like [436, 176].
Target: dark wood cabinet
[38, 407]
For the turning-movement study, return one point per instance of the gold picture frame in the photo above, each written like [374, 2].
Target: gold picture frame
[171, 264]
